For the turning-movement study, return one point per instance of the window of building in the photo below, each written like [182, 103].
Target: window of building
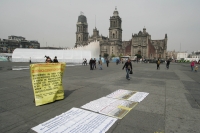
[113, 35]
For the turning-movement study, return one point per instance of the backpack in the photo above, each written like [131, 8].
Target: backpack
[158, 62]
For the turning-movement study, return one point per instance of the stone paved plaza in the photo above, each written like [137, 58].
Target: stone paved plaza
[172, 106]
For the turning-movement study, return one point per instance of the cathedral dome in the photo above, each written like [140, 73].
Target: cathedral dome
[82, 19]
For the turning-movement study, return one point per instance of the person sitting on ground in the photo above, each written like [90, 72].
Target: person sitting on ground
[55, 60]
[48, 59]
[83, 63]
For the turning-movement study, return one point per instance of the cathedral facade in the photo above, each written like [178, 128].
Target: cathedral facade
[113, 45]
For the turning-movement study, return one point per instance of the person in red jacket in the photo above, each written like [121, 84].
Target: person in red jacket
[192, 65]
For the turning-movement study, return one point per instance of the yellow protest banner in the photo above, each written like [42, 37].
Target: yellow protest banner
[47, 82]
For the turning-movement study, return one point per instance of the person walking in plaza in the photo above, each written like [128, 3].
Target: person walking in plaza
[107, 62]
[91, 62]
[192, 65]
[94, 65]
[167, 65]
[100, 64]
[158, 64]
[128, 66]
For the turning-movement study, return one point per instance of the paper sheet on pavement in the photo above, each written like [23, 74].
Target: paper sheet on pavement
[138, 97]
[76, 120]
[99, 104]
[121, 94]
[128, 95]
[111, 107]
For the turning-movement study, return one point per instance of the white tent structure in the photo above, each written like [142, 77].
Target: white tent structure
[73, 55]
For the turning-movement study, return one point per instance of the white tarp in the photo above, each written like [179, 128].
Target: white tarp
[74, 55]
[76, 121]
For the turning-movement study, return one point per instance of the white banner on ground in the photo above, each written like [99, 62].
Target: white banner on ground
[99, 104]
[76, 121]
[138, 97]
[121, 94]
[111, 107]
[128, 95]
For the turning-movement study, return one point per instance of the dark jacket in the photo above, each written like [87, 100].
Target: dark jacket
[127, 64]
[55, 60]
[168, 62]
[91, 62]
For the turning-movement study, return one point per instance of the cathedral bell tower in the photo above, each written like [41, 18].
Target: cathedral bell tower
[115, 30]
[81, 31]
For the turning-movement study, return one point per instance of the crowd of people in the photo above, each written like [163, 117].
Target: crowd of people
[128, 65]
[93, 63]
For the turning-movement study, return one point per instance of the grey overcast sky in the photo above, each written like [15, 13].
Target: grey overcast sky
[54, 21]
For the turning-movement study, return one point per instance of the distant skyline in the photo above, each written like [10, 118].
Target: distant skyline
[53, 22]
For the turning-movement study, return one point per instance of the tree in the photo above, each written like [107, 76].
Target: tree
[120, 55]
[113, 55]
[138, 56]
[105, 55]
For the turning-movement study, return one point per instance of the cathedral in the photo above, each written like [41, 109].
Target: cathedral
[113, 45]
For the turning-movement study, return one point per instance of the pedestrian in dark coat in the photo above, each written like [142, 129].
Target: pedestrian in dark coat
[91, 63]
[158, 64]
[167, 65]
[128, 66]
[107, 62]
[94, 65]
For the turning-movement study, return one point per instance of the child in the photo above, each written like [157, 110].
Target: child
[196, 68]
